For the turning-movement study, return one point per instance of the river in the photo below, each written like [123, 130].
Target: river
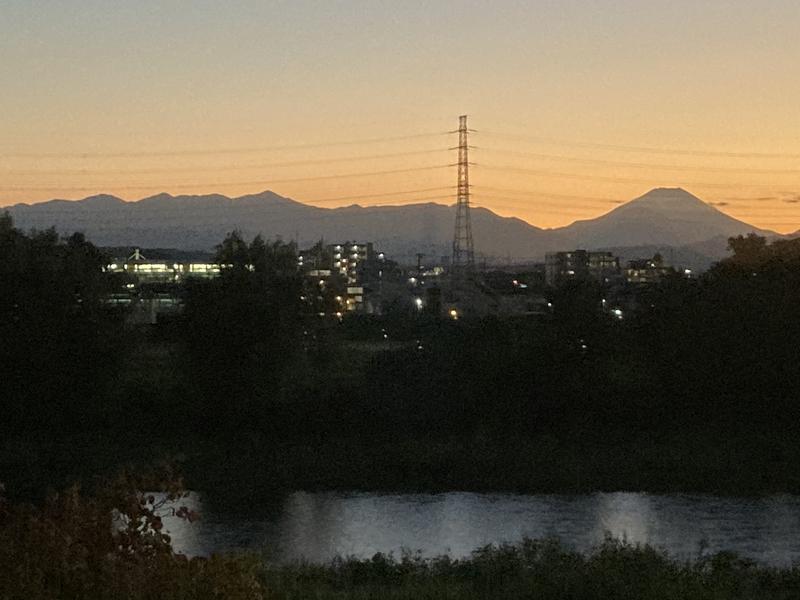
[319, 526]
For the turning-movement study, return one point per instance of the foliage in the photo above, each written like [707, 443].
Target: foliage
[76, 545]
[541, 570]
[58, 339]
[239, 332]
[110, 544]
[695, 390]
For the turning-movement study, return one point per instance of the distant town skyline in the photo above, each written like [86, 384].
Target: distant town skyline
[577, 106]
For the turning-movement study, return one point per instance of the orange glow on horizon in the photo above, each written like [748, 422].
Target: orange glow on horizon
[546, 183]
[578, 106]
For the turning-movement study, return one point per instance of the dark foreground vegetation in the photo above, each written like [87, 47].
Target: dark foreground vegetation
[694, 390]
[69, 548]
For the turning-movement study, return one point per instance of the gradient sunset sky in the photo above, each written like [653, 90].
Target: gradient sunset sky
[577, 105]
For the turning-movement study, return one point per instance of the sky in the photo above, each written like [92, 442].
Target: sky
[577, 106]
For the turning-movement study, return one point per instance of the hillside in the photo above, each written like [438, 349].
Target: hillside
[663, 218]
[666, 216]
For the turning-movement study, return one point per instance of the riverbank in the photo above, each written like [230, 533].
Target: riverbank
[538, 569]
[541, 570]
[65, 547]
[258, 468]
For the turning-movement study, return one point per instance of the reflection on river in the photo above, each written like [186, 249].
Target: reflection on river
[320, 526]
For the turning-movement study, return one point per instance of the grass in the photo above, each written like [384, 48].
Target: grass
[66, 548]
[541, 570]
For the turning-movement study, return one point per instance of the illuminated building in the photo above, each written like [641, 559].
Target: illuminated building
[648, 270]
[349, 256]
[356, 264]
[580, 265]
[152, 287]
[144, 270]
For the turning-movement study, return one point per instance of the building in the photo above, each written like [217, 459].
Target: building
[563, 266]
[153, 287]
[352, 269]
[580, 265]
[348, 257]
[603, 266]
[647, 270]
[143, 270]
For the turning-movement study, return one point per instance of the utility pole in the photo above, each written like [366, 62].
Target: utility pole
[463, 260]
[419, 263]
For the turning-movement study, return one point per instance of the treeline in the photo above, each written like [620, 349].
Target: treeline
[58, 340]
[82, 389]
[693, 390]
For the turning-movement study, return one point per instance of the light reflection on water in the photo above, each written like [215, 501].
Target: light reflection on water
[319, 526]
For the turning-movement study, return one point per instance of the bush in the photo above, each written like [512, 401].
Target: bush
[109, 544]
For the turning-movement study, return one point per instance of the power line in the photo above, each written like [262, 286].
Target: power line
[382, 194]
[641, 165]
[643, 149]
[294, 163]
[226, 183]
[240, 150]
[529, 193]
[412, 201]
[547, 173]
[545, 210]
[532, 201]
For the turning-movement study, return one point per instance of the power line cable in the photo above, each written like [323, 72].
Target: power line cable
[641, 165]
[382, 194]
[529, 193]
[547, 173]
[481, 188]
[293, 163]
[545, 210]
[225, 183]
[544, 200]
[412, 201]
[643, 149]
[240, 150]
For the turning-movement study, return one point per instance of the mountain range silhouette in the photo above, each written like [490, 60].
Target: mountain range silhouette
[664, 218]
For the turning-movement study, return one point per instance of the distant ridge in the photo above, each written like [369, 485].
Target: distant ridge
[670, 216]
[663, 217]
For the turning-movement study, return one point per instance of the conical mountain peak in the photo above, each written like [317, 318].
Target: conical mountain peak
[671, 203]
[668, 196]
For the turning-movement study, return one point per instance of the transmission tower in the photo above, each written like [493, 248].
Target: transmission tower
[463, 252]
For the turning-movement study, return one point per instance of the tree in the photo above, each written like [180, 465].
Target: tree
[748, 249]
[241, 331]
[72, 546]
[58, 338]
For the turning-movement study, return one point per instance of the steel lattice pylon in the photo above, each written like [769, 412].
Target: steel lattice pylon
[463, 261]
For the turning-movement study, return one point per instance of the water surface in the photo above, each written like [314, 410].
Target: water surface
[319, 526]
